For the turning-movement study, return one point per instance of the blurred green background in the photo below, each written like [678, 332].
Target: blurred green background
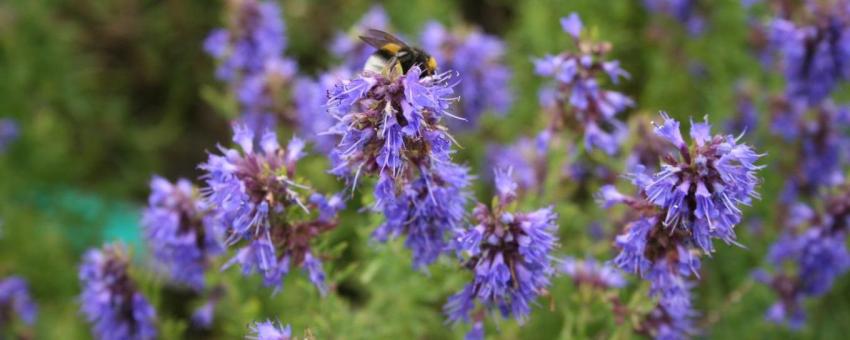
[109, 92]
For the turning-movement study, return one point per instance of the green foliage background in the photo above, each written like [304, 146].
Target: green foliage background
[110, 92]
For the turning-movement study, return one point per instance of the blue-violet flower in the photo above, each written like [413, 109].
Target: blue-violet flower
[110, 299]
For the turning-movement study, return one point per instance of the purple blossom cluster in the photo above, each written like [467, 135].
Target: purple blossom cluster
[817, 248]
[702, 190]
[821, 144]
[110, 299]
[268, 330]
[665, 259]
[825, 147]
[251, 60]
[509, 253]
[15, 300]
[576, 100]
[684, 11]
[181, 231]
[823, 150]
[693, 199]
[390, 127]
[813, 55]
[479, 58]
[254, 194]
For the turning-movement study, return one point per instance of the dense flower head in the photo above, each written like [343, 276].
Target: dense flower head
[425, 209]
[663, 258]
[110, 299]
[645, 242]
[813, 55]
[268, 330]
[254, 194]
[256, 34]
[390, 123]
[509, 253]
[15, 301]
[701, 191]
[592, 273]
[350, 48]
[390, 127]
[673, 316]
[251, 60]
[479, 58]
[577, 100]
[180, 230]
[821, 143]
[684, 11]
[818, 254]
[693, 198]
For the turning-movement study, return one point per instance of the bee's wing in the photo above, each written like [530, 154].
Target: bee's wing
[378, 38]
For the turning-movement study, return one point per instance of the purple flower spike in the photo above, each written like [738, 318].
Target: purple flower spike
[819, 253]
[389, 128]
[254, 194]
[717, 174]
[250, 56]
[814, 55]
[181, 231]
[15, 297]
[509, 254]
[821, 143]
[694, 198]
[110, 300]
[576, 100]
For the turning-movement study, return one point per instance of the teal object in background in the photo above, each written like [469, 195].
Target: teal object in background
[96, 219]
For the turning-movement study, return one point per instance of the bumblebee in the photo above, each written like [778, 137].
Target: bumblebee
[392, 51]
